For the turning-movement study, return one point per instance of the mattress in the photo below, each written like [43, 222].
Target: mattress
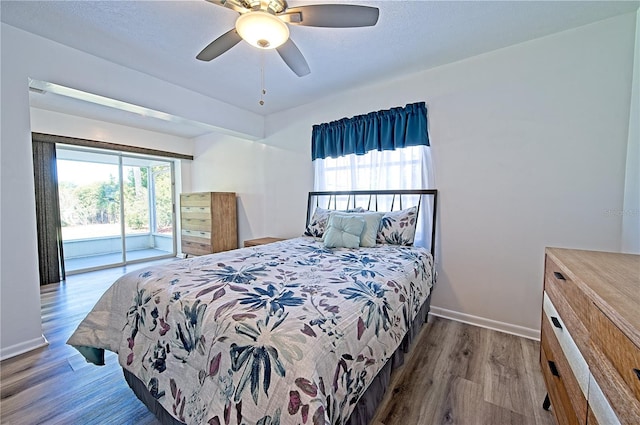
[289, 333]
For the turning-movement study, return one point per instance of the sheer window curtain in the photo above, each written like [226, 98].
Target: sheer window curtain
[406, 168]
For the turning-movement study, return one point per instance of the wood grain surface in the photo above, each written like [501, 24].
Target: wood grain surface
[461, 374]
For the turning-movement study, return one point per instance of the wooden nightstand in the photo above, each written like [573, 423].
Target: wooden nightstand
[261, 241]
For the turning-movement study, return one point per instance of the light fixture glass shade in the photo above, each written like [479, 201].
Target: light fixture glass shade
[262, 29]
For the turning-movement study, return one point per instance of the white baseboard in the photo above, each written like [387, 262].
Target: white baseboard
[486, 323]
[23, 347]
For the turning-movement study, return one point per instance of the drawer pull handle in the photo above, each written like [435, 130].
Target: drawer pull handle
[637, 371]
[559, 276]
[553, 368]
[556, 322]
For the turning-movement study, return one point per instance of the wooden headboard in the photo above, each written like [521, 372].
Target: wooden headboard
[371, 199]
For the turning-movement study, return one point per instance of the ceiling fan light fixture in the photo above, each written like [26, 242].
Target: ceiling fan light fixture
[262, 29]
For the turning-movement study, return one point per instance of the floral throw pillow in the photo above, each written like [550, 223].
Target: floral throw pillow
[398, 227]
[318, 223]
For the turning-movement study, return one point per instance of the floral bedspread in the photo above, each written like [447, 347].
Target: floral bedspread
[285, 333]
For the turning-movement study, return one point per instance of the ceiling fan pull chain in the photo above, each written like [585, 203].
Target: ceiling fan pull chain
[262, 89]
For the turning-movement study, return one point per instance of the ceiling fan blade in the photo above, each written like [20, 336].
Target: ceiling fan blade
[334, 15]
[219, 45]
[294, 59]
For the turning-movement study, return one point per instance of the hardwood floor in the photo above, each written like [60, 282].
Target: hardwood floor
[462, 374]
[455, 374]
[54, 385]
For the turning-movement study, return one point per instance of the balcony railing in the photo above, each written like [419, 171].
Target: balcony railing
[89, 253]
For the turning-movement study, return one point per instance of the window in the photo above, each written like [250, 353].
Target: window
[397, 169]
[115, 208]
[393, 148]
[407, 168]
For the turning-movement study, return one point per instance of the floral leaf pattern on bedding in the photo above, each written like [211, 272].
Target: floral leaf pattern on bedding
[318, 223]
[188, 336]
[244, 275]
[375, 307]
[398, 227]
[271, 299]
[285, 333]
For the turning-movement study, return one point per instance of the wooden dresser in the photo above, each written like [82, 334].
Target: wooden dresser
[209, 222]
[590, 336]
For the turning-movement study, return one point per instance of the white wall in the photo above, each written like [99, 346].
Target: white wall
[631, 208]
[529, 145]
[230, 164]
[263, 175]
[25, 56]
[60, 124]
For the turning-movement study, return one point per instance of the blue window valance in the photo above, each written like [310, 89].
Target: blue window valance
[383, 130]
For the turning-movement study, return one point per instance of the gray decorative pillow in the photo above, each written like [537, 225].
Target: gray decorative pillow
[398, 227]
[371, 225]
[343, 231]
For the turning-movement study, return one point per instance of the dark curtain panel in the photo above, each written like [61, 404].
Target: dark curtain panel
[45, 174]
[391, 129]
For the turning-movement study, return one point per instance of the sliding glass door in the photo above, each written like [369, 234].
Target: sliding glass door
[115, 208]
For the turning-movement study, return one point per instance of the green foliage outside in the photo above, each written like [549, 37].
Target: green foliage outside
[164, 203]
[99, 202]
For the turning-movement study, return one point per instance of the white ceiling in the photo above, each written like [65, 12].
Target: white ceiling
[162, 39]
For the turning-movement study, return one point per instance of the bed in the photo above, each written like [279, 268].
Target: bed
[303, 331]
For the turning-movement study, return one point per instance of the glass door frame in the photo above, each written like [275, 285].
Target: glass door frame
[151, 204]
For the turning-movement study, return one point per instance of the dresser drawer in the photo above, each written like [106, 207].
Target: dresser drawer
[561, 372]
[559, 280]
[196, 248]
[195, 212]
[574, 357]
[571, 324]
[186, 234]
[198, 199]
[560, 400]
[201, 224]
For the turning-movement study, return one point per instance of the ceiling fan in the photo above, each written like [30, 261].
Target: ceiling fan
[263, 24]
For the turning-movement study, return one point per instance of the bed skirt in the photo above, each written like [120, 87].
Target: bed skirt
[364, 410]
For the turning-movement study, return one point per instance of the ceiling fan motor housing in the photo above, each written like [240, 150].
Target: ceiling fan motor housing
[265, 24]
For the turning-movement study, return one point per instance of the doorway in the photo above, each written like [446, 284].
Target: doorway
[115, 208]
